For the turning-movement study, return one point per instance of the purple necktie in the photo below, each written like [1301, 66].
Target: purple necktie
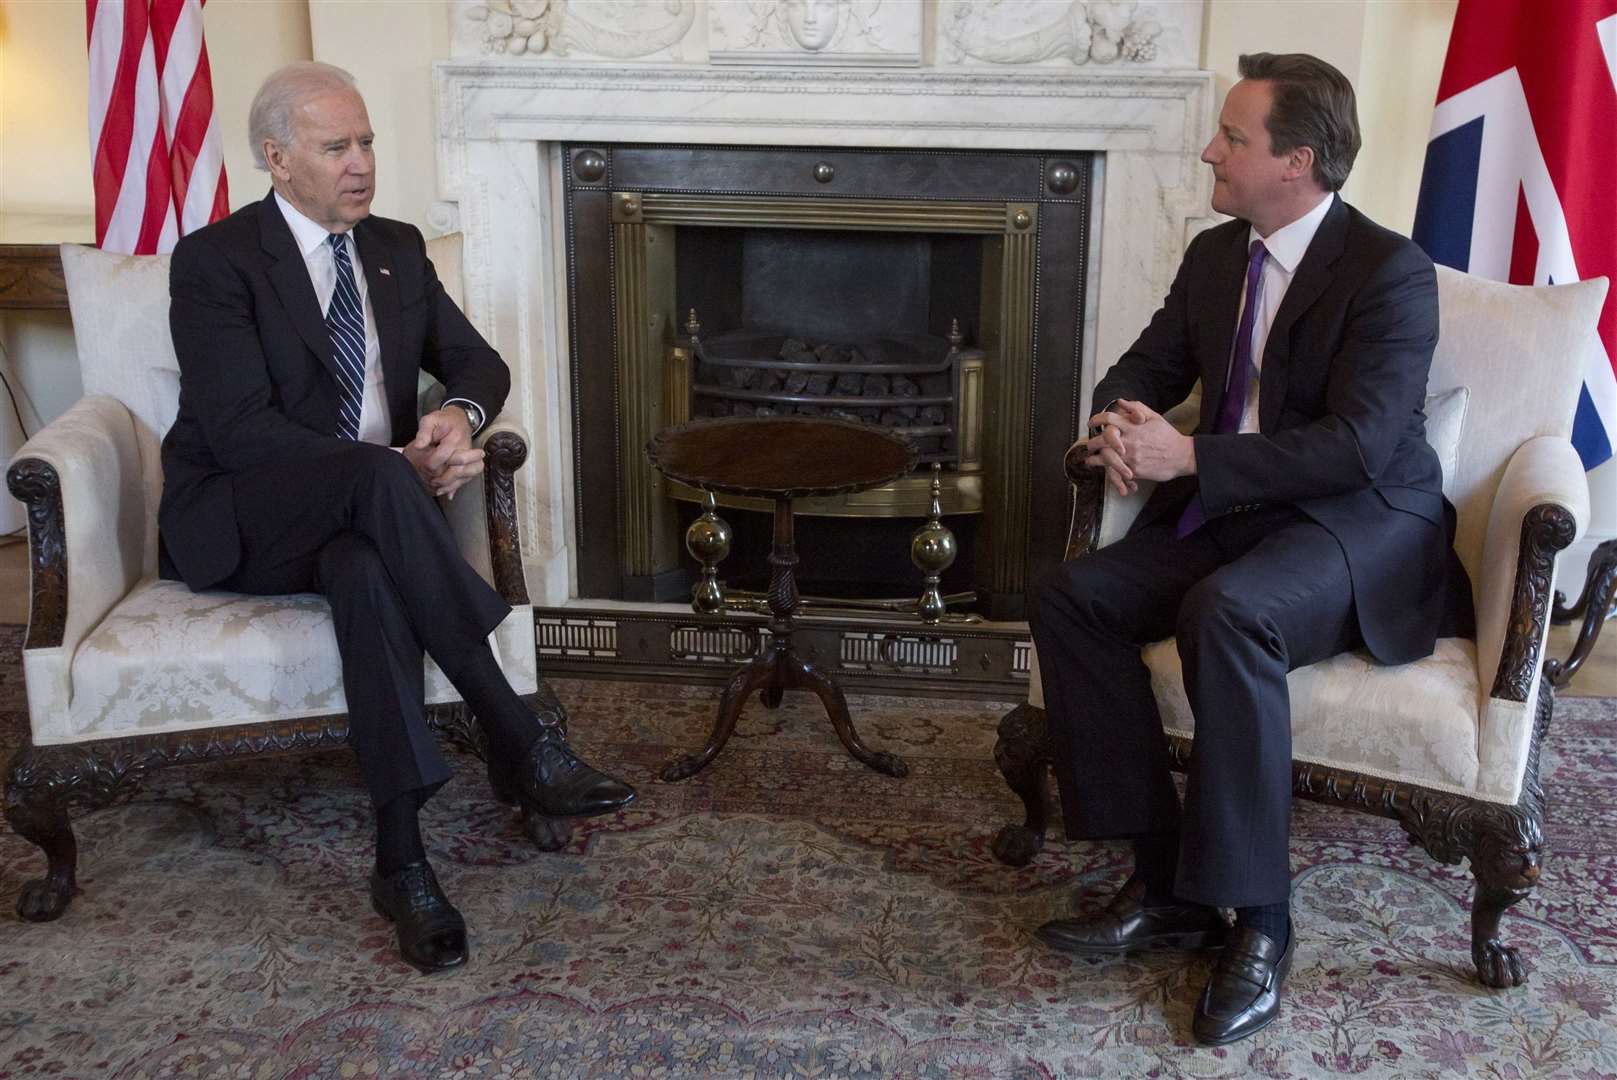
[1234, 403]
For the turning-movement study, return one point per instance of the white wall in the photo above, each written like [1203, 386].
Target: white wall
[397, 84]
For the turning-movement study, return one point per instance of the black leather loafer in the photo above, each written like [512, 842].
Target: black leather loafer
[432, 935]
[552, 781]
[1128, 924]
[1242, 997]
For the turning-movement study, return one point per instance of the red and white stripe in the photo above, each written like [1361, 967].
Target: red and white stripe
[157, 164]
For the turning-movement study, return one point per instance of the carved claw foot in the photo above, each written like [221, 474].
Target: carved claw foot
[1022, 754]
[1506, 872]
[1498, 965]
[1016, 845]
[547, 833]
[45, 899]
[36, 803]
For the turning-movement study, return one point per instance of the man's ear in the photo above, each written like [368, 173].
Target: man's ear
[275, 158]
[1300, 163]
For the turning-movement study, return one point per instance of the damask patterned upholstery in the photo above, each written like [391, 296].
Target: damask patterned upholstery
[166, 659]
[141, 656]
[1502, 394]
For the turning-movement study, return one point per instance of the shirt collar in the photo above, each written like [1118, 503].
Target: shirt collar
[306, 233]
[1287, 245]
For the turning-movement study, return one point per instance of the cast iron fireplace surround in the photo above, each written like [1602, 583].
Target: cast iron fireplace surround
[893, 242]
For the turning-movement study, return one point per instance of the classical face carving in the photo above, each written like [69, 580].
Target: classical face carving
[813, 23]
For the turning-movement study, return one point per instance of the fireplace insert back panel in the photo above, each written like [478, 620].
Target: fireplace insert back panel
[824, 249]
[829, 285]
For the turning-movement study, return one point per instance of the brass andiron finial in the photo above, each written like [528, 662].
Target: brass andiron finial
[932, 550]
[708, 541]
[956, 338]
[692, 328]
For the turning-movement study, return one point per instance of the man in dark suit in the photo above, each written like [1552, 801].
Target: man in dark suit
[1305, 518]
[297, 464]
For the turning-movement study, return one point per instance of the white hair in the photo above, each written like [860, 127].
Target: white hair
[271, 114]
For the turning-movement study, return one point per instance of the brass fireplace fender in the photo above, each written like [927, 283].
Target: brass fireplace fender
[653, 373]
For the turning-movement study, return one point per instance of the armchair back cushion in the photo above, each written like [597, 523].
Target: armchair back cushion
[1522, 352]
[120, 328]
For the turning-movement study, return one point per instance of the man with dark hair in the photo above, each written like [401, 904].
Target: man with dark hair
[1304, 518]
[297, 464]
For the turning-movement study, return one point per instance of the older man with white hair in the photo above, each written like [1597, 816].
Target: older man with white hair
[297, 464]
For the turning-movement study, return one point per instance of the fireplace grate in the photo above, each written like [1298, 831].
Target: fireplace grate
[908, 383]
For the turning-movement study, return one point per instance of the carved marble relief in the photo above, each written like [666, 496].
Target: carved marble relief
[1073, 32]
[606, 29]
[862, 32]
[848, 33]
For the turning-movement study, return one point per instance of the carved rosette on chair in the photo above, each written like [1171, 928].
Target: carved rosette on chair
[44, 783]
[1501, 468]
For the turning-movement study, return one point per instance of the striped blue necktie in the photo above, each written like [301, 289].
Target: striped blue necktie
[345, 322]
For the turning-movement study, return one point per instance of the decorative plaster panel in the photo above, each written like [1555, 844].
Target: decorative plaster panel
[845, 32]
[1166, 33]
[848, 33]
[609, 29]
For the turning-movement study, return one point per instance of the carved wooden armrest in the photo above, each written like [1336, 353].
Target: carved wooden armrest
[1541, 506]
[507, 448]
[1547, 530]
[1088, 505]
[483, 513]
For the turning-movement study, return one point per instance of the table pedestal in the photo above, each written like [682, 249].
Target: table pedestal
[778, 668]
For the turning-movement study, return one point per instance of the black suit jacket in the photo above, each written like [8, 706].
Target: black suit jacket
[1341, 414]
[258, 379]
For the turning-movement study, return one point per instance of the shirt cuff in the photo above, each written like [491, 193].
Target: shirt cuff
[474, 412]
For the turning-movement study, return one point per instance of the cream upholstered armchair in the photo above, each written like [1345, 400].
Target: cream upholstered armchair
[126, 672]
[1448, 746]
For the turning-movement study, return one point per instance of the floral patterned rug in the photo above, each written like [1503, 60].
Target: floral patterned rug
[787, 913]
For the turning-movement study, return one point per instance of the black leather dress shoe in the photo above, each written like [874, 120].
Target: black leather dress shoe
[552, 781]
[1242, 996]
[1128, 924]
[432, 935]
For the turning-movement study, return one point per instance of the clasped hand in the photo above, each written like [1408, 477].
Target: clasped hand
[1135, 443]
[442, 451]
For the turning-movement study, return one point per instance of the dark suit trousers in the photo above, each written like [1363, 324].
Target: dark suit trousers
[1248, 597]
[358, 527]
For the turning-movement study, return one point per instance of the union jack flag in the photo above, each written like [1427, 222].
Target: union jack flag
[1520, 182]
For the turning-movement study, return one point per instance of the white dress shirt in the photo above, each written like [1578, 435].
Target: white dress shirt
[375, 425]
[1287, 246]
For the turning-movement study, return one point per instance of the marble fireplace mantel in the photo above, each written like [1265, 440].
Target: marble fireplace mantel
[501, 122]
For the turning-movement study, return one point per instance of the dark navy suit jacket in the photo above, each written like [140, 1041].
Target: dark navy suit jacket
[258, 379]
[1341, 414]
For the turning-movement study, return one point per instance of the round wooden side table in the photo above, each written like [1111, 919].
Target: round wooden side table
[780, 458]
